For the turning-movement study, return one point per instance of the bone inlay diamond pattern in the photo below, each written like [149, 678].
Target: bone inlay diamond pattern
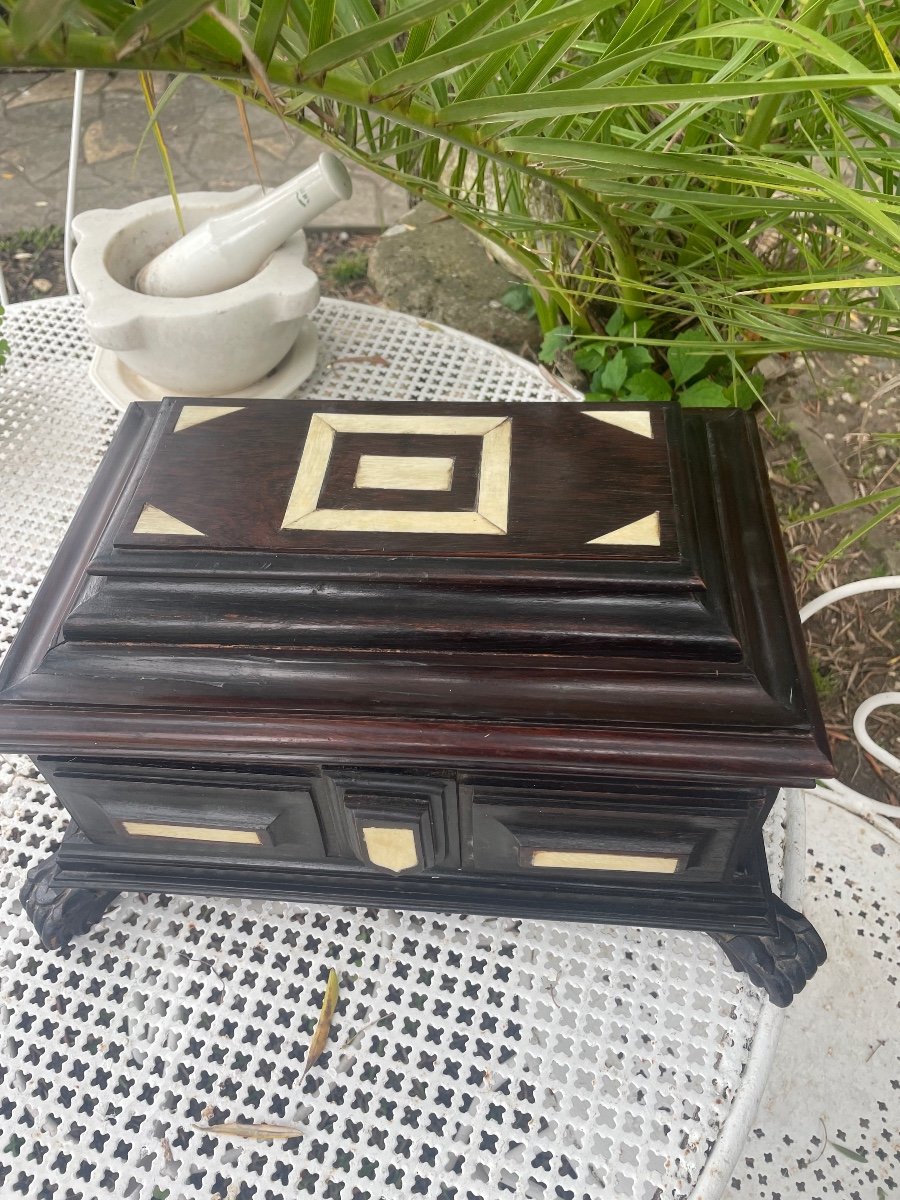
[488, 517]
[402, 481]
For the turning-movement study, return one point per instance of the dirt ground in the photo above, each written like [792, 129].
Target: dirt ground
[848, 404]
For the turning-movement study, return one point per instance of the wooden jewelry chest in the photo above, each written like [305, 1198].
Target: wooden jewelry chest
[530, 659]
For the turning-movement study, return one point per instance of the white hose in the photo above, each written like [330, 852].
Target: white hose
[832, 791]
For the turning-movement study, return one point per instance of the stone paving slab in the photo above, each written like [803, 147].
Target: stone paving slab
[202, 132]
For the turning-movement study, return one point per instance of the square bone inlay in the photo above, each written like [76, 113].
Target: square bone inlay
[409, 474]
[489, 515]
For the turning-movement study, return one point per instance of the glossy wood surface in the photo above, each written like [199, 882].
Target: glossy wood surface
[538, 646]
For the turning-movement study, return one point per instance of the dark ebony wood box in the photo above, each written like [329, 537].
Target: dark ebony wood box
[532, 659]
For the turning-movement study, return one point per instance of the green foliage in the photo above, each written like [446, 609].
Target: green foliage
[554, 343]
[34, 241]
[630, 371]
[349, 268]
[723, 174]
[4, 345]
[519, 299]
[685, 359]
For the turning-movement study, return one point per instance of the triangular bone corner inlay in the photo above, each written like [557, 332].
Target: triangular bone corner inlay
[644, 532]
[634, 422]
[154, 520]
[196, 414]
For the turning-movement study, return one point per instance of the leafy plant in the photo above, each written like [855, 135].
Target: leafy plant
[622, 368]
[712, 166]
[519, 299]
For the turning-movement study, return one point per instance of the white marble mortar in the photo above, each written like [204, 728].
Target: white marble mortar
[200, 345]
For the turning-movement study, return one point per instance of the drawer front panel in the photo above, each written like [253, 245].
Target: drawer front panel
[589, 836]
[193, 811]
[397, 823]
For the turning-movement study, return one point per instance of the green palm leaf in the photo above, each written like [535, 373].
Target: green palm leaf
[703, 162]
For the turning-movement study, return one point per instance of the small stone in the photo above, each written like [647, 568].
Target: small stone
[773, 366]
[42, 204]
[847, 397]
[22, 255]
[439, 271]
[343, 236]
[42, 285]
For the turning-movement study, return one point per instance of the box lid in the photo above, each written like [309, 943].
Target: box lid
[566, 585]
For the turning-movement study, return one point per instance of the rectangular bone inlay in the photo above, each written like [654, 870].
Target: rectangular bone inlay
[409, 474]
[192, 833]
[590, 860]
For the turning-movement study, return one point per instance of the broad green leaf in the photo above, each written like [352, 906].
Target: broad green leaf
[744, 393]
[518, 298]
[614, 373]
[598, 397]
[591, 356]
[684, 358]
[556, 340]
[705, 393]
[647, 385]
[637, 357]
[616, 321]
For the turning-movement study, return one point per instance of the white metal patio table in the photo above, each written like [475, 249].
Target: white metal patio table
[472, 1058]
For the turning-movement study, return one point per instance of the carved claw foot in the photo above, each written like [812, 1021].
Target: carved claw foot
[59, 914]
[783, 962]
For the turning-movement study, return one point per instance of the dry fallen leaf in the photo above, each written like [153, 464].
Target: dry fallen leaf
[323, 1026]
[256, 1133]
[373, 360]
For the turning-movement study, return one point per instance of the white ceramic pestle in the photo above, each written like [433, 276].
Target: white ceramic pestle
[227, 250]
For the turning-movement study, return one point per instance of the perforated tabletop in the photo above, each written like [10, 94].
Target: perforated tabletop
[471, 1057]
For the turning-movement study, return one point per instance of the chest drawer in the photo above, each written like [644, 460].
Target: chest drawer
[587, 834]
[186, 810]
[391, 822]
